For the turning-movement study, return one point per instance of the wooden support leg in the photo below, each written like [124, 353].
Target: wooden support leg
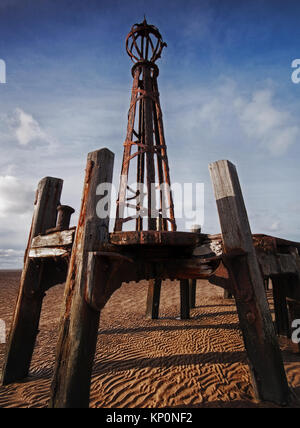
[153, 299]
[193, 287]
[79, 324]
[184, 299]
[265, 360]
[193, 282]
[282, 321]
[27, 313]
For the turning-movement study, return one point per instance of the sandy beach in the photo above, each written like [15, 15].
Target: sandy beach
[167, 362]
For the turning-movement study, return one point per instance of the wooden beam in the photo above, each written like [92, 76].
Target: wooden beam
[261, 344]
[79, 324]
[56, 244]
[276, 264]
[193, 282]
[26, 318]
[45, 253]
[56, 239]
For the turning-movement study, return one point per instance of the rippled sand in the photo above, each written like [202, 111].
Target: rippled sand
[199, 362]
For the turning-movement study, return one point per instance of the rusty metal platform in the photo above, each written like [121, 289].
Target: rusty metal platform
[155, 237]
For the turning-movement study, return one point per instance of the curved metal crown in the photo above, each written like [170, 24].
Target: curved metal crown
[144, 43]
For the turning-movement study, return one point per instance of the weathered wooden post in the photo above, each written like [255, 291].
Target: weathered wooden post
[193, 282]
[79, 324]
[184, 299]
[193, 289]
[265, 360]
[153, 298]
[282, 321]
[26, 318]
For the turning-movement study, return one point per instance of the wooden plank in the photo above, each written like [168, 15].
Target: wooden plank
[271, 263]
[44, 253]
[276, 264]
[79, 324]
[260, 240]
[28, 308]
[56, 239]
[261, 344]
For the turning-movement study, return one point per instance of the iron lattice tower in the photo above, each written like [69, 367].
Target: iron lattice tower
[145, 140]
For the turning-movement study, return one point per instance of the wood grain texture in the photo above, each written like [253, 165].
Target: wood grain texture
[79, 324]
[45, 253]
[263, 352]
[28, 308]
[56, 239]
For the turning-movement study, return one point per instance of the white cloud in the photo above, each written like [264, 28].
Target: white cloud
[228, 115]
[275, 226]
[16, 208]
[15, 196]
[283, 139]
[27, 129]
[272, 127]
[11, 259]
[264, 219]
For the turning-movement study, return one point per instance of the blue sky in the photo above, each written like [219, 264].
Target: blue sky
[226, 92]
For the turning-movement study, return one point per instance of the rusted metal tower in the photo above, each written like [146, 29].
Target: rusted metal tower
[145, 141]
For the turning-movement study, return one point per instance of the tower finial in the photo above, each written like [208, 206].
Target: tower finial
[144, 42]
